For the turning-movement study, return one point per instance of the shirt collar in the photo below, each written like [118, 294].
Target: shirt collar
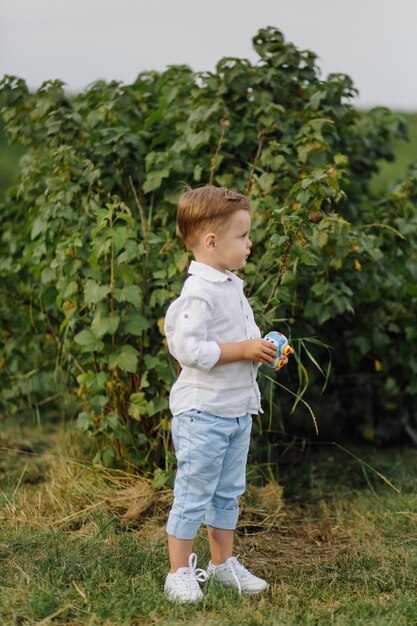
[202, 270]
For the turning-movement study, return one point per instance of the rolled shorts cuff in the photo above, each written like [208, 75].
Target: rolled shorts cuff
[181, 528]
[226, 519]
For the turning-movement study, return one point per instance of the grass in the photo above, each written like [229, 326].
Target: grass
[405, 155]
[82, 545]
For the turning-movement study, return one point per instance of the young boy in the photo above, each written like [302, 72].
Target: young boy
[211, 332]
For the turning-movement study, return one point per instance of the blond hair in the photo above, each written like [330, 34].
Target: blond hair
[207, 206]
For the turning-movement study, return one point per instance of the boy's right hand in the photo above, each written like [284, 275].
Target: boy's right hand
[259, 350]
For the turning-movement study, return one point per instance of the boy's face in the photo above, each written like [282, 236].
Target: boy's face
[230, 248]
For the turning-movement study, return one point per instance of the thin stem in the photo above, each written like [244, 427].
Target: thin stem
[257, 155]
[142, 215]
[145, 275]
[258, 269]
[213, 161]
[282, 269]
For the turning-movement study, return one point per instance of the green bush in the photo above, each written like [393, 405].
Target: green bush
[90, 260]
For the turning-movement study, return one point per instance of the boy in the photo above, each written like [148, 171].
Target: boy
[211, 332]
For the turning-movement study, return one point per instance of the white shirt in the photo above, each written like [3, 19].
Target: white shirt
[212, 309]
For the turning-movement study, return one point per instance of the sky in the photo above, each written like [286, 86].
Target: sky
[80, 41]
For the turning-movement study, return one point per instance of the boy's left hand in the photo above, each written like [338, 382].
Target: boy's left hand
[284, 361]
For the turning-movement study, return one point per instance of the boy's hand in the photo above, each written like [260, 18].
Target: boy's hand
[284, 361]
[259, 350]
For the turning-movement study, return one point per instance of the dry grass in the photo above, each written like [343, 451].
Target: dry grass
[68, 491]
[71, 490]
[338, 547]
[71, 493]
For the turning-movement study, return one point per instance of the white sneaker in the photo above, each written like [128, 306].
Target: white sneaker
[182, 585]
[231, 573]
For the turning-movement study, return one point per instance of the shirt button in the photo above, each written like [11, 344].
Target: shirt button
[229, 279]
[186, 315]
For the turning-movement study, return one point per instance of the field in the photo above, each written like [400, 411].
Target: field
[81, 544]
[87, 546]
[405, 153]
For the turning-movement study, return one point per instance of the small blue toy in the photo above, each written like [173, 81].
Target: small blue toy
[284, 349]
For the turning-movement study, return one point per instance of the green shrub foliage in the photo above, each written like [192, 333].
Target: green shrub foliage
[90, 259]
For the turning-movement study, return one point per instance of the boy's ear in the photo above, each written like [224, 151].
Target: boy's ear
[210, 240]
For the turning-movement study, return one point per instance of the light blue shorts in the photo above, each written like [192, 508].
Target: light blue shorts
[211, 455]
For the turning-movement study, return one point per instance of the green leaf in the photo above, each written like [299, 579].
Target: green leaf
[158, 296]
[92, 381]
[113, 421]
[93, 292]
[103, 323]
[132, 251]
[108, 456]
[278, 240]
[154, 179]
[306, 182]
[303, 197]
[265, 181]
[152, 362]
[88, 341]
[128, 293]
[159, 479]
[196, 140]
[172, 196]
[48, 275]
[287, 278]
[156, 405]
[70, 290]
[126, 359]
[135, 323]
[197, 172]
[316, 99]
[340, 159]
[39, 225]
[120, 235]
[319, 288]
[138, 405]
[308, 259]
[323, 315]
[202, 113]
[83, 421]
[303, 152]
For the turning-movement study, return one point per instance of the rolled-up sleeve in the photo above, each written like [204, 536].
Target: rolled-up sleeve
[186, 323]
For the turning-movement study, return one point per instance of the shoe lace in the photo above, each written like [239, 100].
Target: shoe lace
[200, 575]
[194, 576]
[237, 568]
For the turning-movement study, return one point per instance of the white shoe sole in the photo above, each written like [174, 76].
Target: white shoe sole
[173, 598]
[243, 591]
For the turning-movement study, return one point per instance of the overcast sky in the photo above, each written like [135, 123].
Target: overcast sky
[79, 41]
